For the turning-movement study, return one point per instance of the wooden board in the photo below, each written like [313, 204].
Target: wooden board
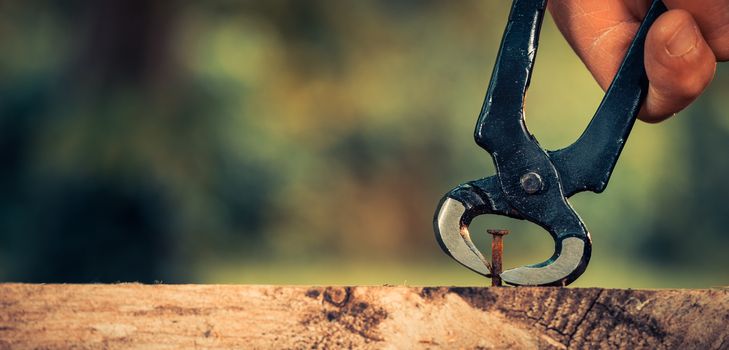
[300, 317]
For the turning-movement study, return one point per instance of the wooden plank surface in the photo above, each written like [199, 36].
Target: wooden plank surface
[299, 317]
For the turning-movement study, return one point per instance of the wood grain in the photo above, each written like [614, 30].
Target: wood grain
[298, 317]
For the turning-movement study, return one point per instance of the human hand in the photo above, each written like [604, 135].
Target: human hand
[681, 49]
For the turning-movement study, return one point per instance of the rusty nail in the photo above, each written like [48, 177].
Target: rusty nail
[497, 249]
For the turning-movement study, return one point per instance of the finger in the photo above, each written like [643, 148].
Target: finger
[599, 31]
[679, 63]
[713, 19]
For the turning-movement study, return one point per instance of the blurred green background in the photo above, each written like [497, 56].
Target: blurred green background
[308, 142]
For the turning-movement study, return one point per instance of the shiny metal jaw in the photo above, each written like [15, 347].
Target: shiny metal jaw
[568, 263]
[455, 240]
[570, 259]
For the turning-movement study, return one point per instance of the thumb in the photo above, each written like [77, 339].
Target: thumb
[679, 64]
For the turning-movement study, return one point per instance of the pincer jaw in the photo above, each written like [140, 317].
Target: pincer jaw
[571, 257]
[572, 254]
[451, 232]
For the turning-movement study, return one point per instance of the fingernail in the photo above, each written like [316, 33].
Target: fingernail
[683, 41]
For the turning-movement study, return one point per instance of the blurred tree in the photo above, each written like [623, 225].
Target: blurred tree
[76, 224]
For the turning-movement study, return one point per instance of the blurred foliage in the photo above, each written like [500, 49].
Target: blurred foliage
[309, 142]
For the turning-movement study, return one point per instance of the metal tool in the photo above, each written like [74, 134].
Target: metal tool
[532, 183]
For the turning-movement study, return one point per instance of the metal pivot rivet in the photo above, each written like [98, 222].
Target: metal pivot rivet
[531, 182]
[497, 249]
